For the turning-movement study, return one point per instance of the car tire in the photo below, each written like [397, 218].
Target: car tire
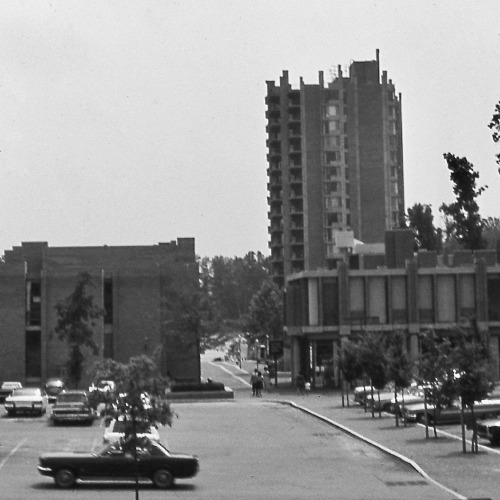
[162, 478]
[65, 478]
[11, 413]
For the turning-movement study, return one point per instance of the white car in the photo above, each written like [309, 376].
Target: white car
[27, 400]
[116, 430]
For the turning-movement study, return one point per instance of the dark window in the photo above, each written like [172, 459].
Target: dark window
[33, 355]
[34, 303]
[330, 301]
[494, 297]
[108, 301]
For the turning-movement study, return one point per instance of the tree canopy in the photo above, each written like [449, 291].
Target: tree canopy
[463, 221]
[75, 320]
[421, 221]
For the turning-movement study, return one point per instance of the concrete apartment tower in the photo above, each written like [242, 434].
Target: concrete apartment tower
[335, 166]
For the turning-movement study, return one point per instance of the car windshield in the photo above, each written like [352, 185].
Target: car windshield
[71, 398]
[11, 385]
[26, 392]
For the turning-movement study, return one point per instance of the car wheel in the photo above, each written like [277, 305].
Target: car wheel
[163, 479]
[64, 478]
[11, 413]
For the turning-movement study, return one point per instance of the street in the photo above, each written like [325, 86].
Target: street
[248, 448]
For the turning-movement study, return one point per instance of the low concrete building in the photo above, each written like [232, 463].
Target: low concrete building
[138, 287]
[408, 292]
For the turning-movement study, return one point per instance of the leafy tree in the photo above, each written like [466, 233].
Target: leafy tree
[265, 313]
[349, 365]
[491, 231]
[474, 374]
[495, 126]
[421, 221]
[139, 398]
[399, 366]
[75, 318]
[227, 287]
[436, 367]
[372, 359]
[463, 221]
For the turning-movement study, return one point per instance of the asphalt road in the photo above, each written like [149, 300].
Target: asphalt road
[248, 448]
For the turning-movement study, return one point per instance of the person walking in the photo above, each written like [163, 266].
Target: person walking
[267, 379]
[259, 384]
[300, 383]
[253, 381]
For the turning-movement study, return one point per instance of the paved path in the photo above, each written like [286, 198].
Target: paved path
[470, 476]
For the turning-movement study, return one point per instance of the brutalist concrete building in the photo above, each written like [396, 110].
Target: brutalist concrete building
[335, 164]
[136, 286]
[398, 290]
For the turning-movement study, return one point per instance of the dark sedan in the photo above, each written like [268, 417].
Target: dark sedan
[154, 462]
[489, 429]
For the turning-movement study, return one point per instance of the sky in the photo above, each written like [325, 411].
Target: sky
[138, 122]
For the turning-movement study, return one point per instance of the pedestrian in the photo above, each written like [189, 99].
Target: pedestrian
[253, 381]
[267, 379]
[300, 383]
[259, 384]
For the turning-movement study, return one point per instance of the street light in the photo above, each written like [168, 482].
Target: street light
[239, 339]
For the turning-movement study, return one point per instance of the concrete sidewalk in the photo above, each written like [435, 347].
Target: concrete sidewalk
[441, 459]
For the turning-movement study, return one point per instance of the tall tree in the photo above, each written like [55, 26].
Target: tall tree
[349, 365]
[75, 321]
[495, 126]
[265, 313]
[373, 360]
[474, 373]
[463, 221]
[421, 221]
[227, 287]
[139, 400]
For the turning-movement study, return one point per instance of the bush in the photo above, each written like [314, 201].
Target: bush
[197, 387]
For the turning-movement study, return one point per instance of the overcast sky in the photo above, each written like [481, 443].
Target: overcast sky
[135, 122]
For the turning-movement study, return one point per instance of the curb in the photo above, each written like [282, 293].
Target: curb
[393, 453]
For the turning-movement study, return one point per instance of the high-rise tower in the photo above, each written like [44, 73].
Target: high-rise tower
[335, 166]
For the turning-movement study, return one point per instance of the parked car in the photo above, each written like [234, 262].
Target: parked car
[27, 400]
[115, 429]
[451, 415]
[107, 386]
[7, 388]
[155, 462]
[53, 387]
[489, 429]
[72, 406]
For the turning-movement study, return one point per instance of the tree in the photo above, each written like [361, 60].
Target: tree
[463, 221]
[372, 359]
[474, 375]
[75, 319]
[399, 366]
[140, 391]
[495, 126]
[265, 313]
[227, 287]
[491, 231]
[436, 367]
[421, 221]
[349, 365]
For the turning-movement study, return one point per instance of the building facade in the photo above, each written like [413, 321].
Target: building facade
[136, 286]
[398, 291]
[335, 166]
